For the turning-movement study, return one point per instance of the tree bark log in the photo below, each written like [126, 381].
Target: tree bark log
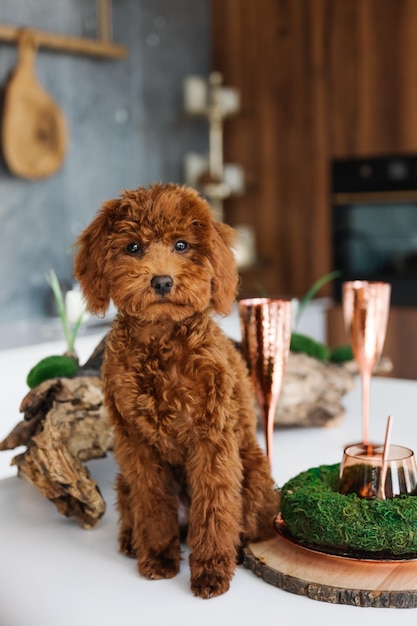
[65, 425]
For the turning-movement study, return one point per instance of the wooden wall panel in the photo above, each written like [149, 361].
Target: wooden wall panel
[372, 76]
[319, 79]
[269, 50]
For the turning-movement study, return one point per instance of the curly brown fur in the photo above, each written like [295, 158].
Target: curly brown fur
[176, 388]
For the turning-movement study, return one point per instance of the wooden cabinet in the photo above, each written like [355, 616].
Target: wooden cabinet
[319, 79]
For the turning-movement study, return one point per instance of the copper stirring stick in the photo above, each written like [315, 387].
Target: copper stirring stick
[385, 456]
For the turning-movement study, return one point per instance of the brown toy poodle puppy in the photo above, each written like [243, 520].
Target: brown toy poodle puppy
[176, 388]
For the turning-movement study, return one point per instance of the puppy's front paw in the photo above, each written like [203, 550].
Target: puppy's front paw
[125, 544]
[209, 585]
[209, 579]
[166, 564]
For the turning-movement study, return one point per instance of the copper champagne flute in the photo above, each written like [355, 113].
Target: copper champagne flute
[365, 310]
[266, 336]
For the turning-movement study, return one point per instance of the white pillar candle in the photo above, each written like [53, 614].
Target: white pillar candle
[244, 247]
[234, 176]
[195, 94]
[74, 306]
[229, 100]
[194, 166]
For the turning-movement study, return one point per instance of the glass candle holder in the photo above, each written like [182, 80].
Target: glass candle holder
[363, 471]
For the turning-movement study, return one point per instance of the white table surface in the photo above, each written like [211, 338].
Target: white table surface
[54, 573]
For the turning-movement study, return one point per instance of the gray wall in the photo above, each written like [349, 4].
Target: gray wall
[127, 128]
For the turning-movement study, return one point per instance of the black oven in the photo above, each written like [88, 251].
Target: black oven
[374, 223]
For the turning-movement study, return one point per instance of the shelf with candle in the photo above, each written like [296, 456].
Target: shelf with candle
[197, 174]
[209, 174]
[209, 98]
[216, 180]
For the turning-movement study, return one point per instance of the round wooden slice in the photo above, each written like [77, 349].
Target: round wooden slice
[328, 578]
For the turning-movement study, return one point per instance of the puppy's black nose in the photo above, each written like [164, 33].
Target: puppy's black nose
[162, 284]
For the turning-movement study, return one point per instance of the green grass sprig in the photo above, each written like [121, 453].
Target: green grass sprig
[70, 334]
[313, 290]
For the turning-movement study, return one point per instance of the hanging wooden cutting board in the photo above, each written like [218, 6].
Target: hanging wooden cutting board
[34, 130]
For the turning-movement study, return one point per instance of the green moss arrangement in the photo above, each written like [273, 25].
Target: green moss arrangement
[317, 515]
[303, 343]
[318, 350]
[340, 354]
[51, 367]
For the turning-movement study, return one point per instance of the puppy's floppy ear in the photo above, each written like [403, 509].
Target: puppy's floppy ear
[90, 259]
[225, 280]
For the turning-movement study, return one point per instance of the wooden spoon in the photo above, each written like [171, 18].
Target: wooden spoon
[34, 130]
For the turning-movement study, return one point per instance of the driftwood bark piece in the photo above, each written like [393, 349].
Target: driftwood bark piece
[34, 406]
[312, 392]
[65, 425]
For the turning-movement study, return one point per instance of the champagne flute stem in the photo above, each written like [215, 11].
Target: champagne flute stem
[269, 434]
[366, 385]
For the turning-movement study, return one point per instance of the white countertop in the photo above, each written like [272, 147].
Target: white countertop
[53, 573]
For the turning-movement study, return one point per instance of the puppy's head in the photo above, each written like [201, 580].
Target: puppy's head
[158, 254]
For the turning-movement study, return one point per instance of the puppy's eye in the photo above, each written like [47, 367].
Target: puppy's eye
[180, 246]
[134, 248]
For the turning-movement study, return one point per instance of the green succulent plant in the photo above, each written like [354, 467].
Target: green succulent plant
[59, 365]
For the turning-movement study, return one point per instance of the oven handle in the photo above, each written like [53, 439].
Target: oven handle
[409, 195]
